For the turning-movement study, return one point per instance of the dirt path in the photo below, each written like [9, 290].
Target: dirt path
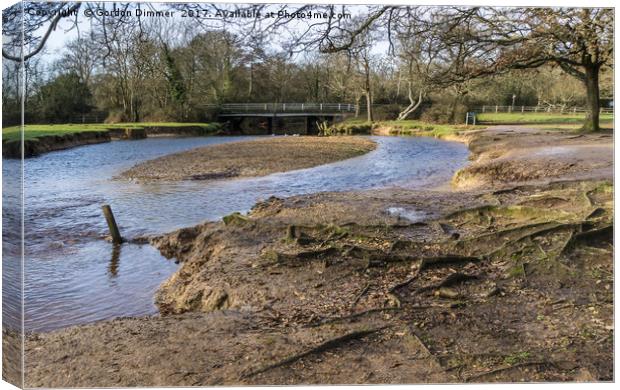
[249, 158]
[502, 281]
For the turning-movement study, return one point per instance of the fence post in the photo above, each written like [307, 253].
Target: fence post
[283, 106]
[466, 118]
[522, 108]
[112, 226]
[321, 107]
[496, 109]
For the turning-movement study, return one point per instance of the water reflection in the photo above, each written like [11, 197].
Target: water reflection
[73, 276]
[116, 256]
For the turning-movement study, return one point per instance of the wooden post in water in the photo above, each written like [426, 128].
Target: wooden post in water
[109, 217]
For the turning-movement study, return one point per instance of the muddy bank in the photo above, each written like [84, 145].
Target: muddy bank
[249, 158]
[504, 281]
[169, 131]
[510, 285]
[12, 356]
[501, 155]
[512, 154]
[37, 146]
[49, 143]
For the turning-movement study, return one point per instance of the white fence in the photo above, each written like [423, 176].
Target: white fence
[554, 109]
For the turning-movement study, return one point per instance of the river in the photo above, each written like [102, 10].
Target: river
[73, 276]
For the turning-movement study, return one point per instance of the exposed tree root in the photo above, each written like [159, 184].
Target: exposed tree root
[354, 316]
[326, 345]
[604, 233]
[440, 261]
[448, 281]
[548, 229]
[430, 262]
[498, 234]
[360, 295]
[597, 212]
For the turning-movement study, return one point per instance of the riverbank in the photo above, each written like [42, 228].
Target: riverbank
[39, 139]
[505, 277]
[249, 158]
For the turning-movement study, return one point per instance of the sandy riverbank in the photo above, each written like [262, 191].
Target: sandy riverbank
[507, 277]
[249, 158]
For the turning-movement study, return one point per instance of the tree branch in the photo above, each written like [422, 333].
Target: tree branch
[41, 44]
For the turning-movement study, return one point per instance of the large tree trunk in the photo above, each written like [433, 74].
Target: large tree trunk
[369, 106]
[251, 84]
[368, 91]
[593, 104]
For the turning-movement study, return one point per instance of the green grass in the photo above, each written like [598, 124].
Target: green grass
[537, 118]
[517, 357]
[36, 131]
[415, 127]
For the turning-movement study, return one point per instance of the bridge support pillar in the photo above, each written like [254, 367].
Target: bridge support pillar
[270, 125]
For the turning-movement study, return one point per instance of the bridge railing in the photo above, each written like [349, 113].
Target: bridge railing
[286, 107]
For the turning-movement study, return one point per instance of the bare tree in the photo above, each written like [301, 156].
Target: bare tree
[22, 25]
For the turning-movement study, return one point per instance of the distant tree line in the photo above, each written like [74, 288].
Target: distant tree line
[436, 63]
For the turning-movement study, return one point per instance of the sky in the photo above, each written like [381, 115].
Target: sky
[66, 31]
[63, 33]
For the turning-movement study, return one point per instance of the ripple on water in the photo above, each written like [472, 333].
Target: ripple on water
[73, 276]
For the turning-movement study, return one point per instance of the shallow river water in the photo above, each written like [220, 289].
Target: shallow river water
[73, 276]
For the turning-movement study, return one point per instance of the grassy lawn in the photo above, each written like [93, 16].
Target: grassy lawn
[35, 131]
[404, 127]
[537, 118]
[416, 127]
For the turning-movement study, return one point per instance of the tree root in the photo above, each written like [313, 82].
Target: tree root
[353, 316]
[597, 212]
[360, 295]
[448, 281]
[538, 232]
[605, 232]
[326, 345]
[404, 283]
[450, 259]
[431, 262]
[363, 252]
[498, 234]
[305, 255]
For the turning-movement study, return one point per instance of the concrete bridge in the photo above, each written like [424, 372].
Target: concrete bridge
[278, 118]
